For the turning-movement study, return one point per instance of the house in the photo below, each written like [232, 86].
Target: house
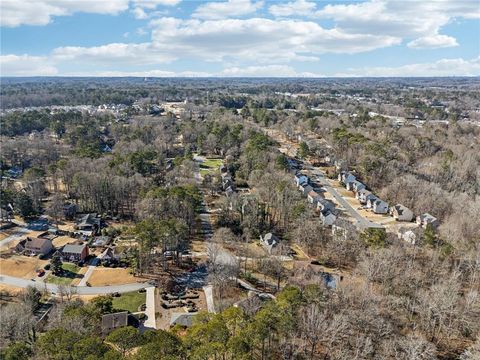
[328, 217]
[182, 319]
[269, 241]
[300, 179]
[370, 201]
[89, 224]
[306, 190]
[313, 197]
[100, 241]
[380, 207]
[108, 254]
[114, 321]
[427, 219]
[346, 177]
[363, 195]
[401, 213]
[357, 186]
[6, 214]
[74, 252]
[324, 204]
[37, 246]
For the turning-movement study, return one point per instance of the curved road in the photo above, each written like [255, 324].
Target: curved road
[80, 290]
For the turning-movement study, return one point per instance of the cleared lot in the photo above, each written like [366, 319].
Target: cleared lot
[21, 266]
[112, 276]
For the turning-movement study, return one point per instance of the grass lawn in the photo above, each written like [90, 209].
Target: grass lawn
[129, 301]
[212, 163]
[70, 273]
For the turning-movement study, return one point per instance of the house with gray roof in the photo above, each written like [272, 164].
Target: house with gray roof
[75, 252]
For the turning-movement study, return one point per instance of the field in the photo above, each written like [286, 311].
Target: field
[71, 273]
[111, 276]
[21, 266]
[129, 301]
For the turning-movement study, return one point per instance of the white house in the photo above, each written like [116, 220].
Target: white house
[328, 218]
[269, 241]
[346, 177]
[370, 201]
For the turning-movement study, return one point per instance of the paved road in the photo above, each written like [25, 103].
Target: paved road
[320, 177]
[80, 290]
[365, 223]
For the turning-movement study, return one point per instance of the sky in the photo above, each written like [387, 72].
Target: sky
[240, 38]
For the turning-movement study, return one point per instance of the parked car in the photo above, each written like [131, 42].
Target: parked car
[40, 272]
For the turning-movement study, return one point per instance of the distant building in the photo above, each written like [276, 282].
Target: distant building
[328, 217]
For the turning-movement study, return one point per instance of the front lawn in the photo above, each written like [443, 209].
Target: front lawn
[129, 301]
[70, 272]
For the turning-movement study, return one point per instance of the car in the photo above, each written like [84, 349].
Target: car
[40, 272]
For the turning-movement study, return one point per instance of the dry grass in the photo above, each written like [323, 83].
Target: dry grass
[62, 240]
[12, 290]
[21, 266]
[112, 276]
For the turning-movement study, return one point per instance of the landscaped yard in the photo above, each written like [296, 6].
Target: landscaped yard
[70, 273]
[129, 301]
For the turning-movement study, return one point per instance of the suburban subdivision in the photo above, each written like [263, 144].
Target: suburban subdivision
[151, 218]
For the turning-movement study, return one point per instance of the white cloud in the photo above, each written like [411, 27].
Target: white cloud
[258, 39]
[433, 42]
[146, 73]
[226, 9]
[298, 7]
[26, 65]
[117, 54]
[265, 71]
[40, 12]
[405, 19]
[140, 7]
[443, 67]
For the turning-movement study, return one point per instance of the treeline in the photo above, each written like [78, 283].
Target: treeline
[308, 322]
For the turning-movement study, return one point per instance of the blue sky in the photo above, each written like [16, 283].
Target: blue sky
[292, 38]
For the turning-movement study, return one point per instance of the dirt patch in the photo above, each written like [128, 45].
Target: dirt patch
[21, 266]
[112, 276]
